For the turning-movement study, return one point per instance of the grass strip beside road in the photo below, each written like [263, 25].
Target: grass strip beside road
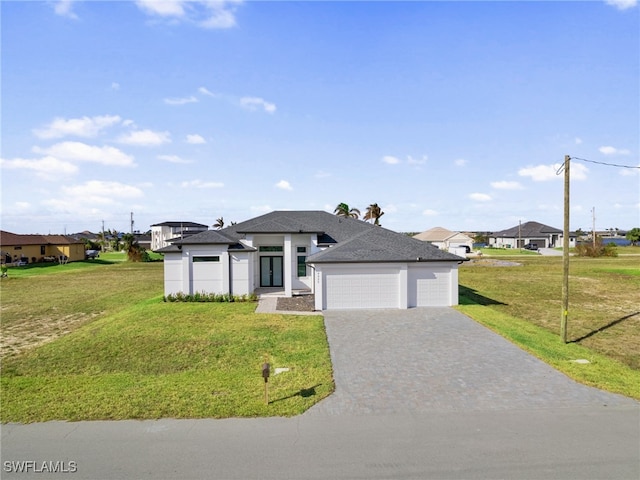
[601, 372]
[158, 360]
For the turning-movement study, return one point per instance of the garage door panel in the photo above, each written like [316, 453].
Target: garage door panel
[362, 290]
[430, 288]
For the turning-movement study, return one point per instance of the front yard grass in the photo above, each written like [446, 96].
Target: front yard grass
[96, 341]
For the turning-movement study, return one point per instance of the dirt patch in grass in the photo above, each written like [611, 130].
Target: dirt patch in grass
[23, 336]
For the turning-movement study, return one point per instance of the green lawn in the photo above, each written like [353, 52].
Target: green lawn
[133, 356]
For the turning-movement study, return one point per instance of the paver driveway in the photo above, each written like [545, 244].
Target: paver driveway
[437, 359]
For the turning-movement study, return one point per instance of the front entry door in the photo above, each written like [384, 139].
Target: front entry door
[271, 272]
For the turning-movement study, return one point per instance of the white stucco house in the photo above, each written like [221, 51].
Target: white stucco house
[346, 263]
[163, 233]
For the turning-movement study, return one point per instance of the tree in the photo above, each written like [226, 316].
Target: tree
[135, 253]
[633, 236]
[343, 210]
[219, 223]
[374, 212]
[115, 240]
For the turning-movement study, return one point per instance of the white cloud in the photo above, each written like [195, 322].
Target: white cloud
[82, 152]
[204, 91]
[147, 138]
[390, 160]
[181, 101]
[173, 159]
[255, 103]
[429, 213]
[80, 127]
[480, 197]
[215, 14]
[578, 141]
[284, 185]
[115, 86]
[48, 168]
[460, 162]
[544, 173]
[64, 8]
[166, 8]
[101, 192]
[201, 184]
[195, 139]
[622, 4]
[322, 174]
[506, 185]
[609, 150]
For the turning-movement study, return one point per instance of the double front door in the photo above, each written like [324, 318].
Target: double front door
[271, 272]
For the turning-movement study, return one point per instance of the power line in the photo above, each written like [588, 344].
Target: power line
[605, 163]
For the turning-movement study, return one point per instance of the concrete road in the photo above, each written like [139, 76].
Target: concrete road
[420, 394]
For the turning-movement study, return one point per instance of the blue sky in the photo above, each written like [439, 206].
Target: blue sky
[452, 114]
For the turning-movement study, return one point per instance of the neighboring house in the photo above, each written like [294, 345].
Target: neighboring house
[445, 239]
[162, 233]
[143, 239]
[39, 248]
[346, 263]
[529, 234]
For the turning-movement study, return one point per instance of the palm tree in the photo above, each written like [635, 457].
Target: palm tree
[343, 210]
[219, 223]
[374, 212]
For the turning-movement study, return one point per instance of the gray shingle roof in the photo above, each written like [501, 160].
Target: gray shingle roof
[528, 229]
[381, 245]
[353, 240]
[331, 227]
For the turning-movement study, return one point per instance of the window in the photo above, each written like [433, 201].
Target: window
[206, 259]
[43, 249]
[17, 248]
[302, 266]
[274, 248]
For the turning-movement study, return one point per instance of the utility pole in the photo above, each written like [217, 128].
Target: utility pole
[103, 237]
[593, 228]
[520, 235]
[565, 252]
[131, 222]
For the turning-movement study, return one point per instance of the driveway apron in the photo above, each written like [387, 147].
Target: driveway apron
[437, 359]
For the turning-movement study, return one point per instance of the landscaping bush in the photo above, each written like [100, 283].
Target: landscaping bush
[210, 297]
[597, 250]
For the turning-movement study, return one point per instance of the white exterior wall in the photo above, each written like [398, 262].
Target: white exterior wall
[173, 273]
[241, 274]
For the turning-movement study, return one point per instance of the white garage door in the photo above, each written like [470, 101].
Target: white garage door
[362, 290]
[429, 287]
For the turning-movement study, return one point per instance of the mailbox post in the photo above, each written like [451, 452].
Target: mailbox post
[266, 371]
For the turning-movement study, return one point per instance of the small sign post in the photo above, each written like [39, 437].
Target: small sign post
[266, 371]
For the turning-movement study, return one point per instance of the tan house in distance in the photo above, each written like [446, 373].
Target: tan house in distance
[18, 248]
[446, 239]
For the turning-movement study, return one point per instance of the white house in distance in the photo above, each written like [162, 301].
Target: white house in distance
[346, 263]
[532, 234]
[446, 239]
[162, 233]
